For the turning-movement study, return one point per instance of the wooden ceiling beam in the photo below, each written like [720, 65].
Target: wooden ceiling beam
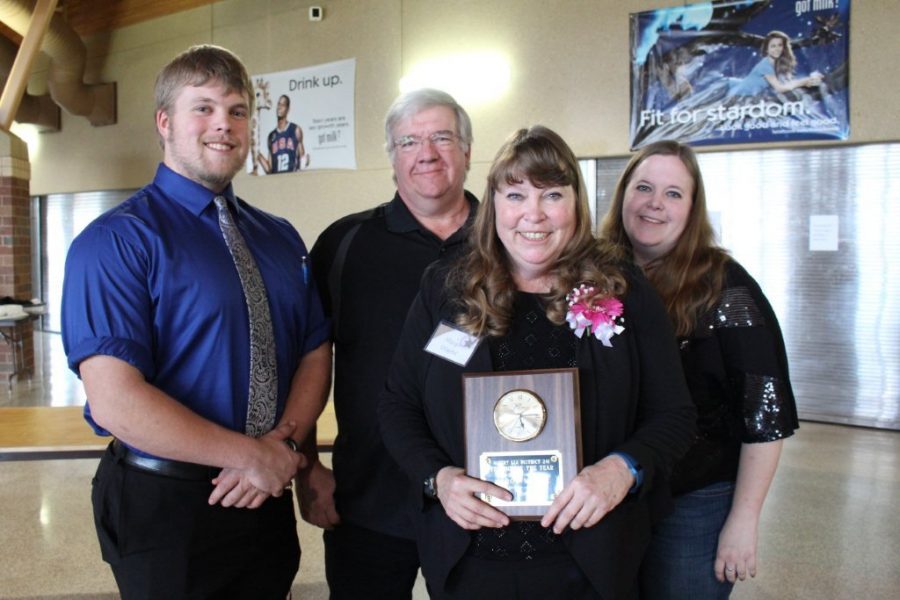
[21, 68]
[10, 34]
[86, 17]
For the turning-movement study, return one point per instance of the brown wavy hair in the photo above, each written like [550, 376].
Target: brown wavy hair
[483, 276]
[784, 64]
[689, 277]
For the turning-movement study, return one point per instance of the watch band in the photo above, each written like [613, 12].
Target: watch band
[636, 470]
[429, 486]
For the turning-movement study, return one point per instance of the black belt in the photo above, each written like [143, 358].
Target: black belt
[164, 467]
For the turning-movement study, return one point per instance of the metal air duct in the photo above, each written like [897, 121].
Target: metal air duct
[67, 53]
[37, 110]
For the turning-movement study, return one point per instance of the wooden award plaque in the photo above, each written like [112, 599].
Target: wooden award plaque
[523, 433]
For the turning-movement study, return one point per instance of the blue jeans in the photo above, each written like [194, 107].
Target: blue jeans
[680, 560]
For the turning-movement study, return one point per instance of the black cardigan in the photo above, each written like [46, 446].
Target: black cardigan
[633, 399]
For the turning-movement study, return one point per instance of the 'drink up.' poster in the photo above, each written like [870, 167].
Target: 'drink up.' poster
[304, 120]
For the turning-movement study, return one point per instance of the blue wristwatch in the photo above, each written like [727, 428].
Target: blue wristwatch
[635, 469]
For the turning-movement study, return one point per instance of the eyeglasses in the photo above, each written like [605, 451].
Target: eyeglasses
[441, 140]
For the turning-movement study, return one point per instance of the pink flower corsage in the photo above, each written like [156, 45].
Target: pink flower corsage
[601, 317]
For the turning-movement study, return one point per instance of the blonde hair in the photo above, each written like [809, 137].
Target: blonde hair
[483, 276]
[689, 277]
[197, 66]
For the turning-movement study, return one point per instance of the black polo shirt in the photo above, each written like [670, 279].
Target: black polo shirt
[372, 290]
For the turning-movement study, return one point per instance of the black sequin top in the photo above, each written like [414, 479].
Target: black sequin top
[533, 342]
[736, 369]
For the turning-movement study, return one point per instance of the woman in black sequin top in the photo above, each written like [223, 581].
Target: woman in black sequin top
[530, 245]
[735, 364]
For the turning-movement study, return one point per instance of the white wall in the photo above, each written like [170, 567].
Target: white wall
[569, 63]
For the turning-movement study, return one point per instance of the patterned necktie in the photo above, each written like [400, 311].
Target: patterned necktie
[263, 369]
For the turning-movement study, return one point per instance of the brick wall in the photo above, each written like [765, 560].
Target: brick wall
[15, 244]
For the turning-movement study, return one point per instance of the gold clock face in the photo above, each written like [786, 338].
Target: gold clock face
[519, 415]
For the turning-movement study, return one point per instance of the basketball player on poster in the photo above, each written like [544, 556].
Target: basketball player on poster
[286, 152]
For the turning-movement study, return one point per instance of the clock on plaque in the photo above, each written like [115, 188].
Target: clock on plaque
[519, 415]
[523, 433]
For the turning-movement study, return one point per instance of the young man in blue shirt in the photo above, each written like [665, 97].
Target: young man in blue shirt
[191, 318]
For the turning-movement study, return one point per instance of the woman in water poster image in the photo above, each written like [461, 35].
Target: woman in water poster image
[740, 71]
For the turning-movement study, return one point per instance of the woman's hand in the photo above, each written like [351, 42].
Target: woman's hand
[595, 491]
[812, 80]
[736, 554]
[456, 492]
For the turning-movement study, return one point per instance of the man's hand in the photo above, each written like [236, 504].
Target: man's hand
[315, 495]
[271, 470]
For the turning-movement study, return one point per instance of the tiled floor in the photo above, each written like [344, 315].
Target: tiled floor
[48, 548]
[830, 529]
[51, 384]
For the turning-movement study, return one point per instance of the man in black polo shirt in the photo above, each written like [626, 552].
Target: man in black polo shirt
[368, 266]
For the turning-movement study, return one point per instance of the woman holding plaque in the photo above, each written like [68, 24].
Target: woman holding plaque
[536, 290]
[735, 364]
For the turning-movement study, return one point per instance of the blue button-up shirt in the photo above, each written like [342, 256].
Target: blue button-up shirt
[151, 282]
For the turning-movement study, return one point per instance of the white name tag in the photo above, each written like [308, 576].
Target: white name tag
[453, 344]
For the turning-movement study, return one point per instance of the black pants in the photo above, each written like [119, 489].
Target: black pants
[555, 577]
[163, 540]
[364, 564]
